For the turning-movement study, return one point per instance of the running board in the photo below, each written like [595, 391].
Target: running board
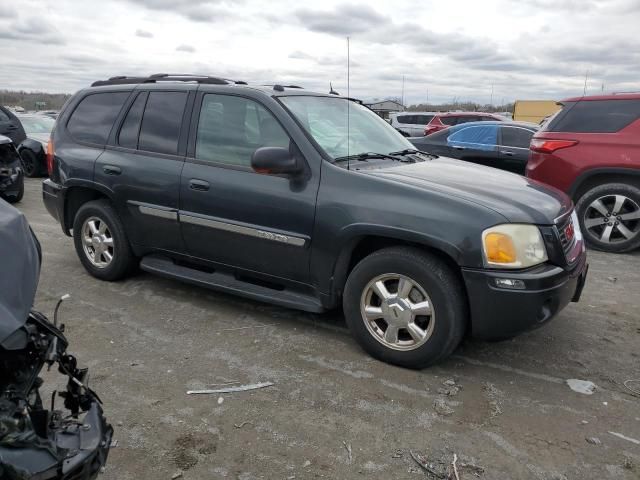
[226, 282]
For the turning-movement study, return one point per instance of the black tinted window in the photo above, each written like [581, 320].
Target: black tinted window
[422, 119]
[467, 119]
[404, 119]
[128, 136]
[161, 122]
[516, 137]
[231, 128]
[449, 120]
[93, 118]
[596, 116]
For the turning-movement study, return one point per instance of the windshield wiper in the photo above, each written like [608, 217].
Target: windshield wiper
[363, 157]
[410, 151]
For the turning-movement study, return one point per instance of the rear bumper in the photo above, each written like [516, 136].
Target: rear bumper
[53, 199]
[498, 312]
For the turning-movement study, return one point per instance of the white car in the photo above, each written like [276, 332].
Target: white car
[410, 124]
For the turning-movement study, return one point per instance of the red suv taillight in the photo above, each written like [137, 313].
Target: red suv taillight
[542, 145]
[50, 154]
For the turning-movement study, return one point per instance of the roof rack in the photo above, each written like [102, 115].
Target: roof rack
[166, 77]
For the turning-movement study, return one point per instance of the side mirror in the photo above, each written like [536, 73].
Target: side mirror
[274, 161]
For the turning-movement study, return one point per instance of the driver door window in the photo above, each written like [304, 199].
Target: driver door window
[231, 128]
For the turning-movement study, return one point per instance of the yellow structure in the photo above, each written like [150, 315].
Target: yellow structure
[534, 110]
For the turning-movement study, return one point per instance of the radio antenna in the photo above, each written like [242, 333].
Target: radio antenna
[348, 106]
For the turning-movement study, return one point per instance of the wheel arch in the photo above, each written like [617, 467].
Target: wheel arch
[599, 176]
[364, 243]
[77, 195]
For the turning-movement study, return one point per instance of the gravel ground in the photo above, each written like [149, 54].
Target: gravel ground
[504, 409]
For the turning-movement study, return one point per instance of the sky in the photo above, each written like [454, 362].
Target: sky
[445, 50]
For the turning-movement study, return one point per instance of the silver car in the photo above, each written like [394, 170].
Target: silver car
[411, 124]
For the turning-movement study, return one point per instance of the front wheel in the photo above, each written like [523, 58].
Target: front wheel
[30, 164]
[101, 242]
[405, 307]
[609, 217]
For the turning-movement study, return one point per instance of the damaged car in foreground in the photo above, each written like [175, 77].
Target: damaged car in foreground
[11, 175]
[66, 435]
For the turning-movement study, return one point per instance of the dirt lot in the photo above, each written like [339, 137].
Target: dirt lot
[148, 340]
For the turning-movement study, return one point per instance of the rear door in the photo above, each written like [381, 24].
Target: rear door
[10, 126]
[142, 163]
[230, 214]
[476, 143]
[513, 152]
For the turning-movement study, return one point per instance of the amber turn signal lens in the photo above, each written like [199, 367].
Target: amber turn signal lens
[499, 248]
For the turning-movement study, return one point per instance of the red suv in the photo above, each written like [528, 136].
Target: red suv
[446, 120]
[591, 150]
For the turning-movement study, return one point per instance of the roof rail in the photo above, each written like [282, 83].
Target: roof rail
[166, 77]
[280, 88]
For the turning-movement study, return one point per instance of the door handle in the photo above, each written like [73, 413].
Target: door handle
[111, 170]
[507, 153]
[198, 185]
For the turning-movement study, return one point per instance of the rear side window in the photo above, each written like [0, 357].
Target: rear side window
[93, 118]
[516, 137]
[480, 135]
[404, 119]
[449, 120]
[467, 119]
[161, 122]
[128, 136]
[595, 116]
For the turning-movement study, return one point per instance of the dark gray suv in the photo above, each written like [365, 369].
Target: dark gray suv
[308, 201]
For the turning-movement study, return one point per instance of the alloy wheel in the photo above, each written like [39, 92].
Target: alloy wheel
[397, 311]
[612, 219]
[97, 242]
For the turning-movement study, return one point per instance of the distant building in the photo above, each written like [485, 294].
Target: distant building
[385, 107]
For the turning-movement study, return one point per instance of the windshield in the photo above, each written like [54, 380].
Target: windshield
[325, 118]
[37, 124]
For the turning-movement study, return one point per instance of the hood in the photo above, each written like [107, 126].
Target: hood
[517, 198]
[39, 137]
[19, 270]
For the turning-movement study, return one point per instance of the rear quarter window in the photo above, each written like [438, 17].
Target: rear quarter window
[595, 116]
[93, 118]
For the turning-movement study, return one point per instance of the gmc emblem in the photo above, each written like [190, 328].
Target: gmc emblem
[569, 232]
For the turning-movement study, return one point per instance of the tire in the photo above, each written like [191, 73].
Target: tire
[622, 229]
[18, 196]
[30, 164]
[444, 326]
[100, 217]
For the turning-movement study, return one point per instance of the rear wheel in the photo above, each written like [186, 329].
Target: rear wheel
[405, 307]
[101, 242]
[609, 217]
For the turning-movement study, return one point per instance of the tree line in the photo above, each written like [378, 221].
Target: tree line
[33, 100]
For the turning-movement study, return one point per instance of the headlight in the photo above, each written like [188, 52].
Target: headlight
[513, 246]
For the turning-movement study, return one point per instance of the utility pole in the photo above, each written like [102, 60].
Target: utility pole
[586, 77]
[491, 102]
[402, 97]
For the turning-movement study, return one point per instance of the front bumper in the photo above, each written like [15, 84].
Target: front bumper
[498, 312]
[11, 180]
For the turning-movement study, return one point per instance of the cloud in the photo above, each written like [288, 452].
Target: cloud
[195, 10]
[185, 48]
[143, 34]
[344, 20]
[7, 11]
[33, 29]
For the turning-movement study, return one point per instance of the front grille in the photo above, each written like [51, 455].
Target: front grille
[566, 234]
